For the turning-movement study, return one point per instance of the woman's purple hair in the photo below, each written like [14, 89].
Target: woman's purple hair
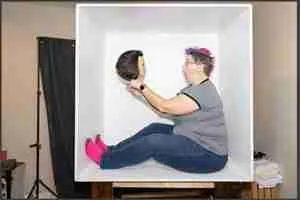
[202, 55]
[203, 51]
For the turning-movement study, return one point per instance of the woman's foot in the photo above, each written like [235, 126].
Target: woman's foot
[93, 151]
[100, 143]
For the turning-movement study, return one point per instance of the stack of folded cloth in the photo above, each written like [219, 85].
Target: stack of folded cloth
[267, 173]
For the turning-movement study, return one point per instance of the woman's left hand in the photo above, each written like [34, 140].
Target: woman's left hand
[135, 84]
[133, 91]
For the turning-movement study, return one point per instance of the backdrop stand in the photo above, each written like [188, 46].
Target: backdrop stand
[38, 146]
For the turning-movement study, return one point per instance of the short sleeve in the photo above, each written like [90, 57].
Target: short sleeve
[204, 96]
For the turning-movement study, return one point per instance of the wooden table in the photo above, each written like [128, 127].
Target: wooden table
[105, 189]
[246, 190]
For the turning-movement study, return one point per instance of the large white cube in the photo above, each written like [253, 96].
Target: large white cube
[162, 32]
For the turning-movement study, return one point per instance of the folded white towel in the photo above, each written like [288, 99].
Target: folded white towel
[266, 167]
[273, 179]
[261, 161]
[266, 176]
[269, 182]
[267, 173]
[267, 185]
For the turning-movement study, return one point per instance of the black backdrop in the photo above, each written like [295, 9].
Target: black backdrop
[56, 59]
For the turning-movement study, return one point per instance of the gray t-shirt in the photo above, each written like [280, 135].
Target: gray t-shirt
[206, 126]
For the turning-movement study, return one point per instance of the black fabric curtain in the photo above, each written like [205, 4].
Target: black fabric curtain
[56, 59]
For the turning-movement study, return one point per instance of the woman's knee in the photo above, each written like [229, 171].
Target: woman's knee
[185, 164]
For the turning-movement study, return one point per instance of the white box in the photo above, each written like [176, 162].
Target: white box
[162, 32]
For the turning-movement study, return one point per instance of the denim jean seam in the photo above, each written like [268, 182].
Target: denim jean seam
[188, 155]
[180, 155]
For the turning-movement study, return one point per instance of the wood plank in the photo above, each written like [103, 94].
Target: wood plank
[161, 195]
[275, 192]
[246, 192]
[261, 193]
[254, 190]
[268, 193]
[164, 184]
[101, 190]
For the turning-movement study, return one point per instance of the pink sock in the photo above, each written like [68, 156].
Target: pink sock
[100, 143]
[93, 151]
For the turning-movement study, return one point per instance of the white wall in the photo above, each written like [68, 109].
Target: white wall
[236, 83]
[275, 87]
[22, 22]
[88, 96]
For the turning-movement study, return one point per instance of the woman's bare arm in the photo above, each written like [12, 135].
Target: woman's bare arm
[176, 105]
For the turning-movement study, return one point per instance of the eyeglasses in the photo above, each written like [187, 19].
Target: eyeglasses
[189, 63]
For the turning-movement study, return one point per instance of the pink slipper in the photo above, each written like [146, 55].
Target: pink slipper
[99, 142]
[93, 151]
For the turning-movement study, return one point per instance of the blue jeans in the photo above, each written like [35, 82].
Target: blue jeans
[158, 141]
